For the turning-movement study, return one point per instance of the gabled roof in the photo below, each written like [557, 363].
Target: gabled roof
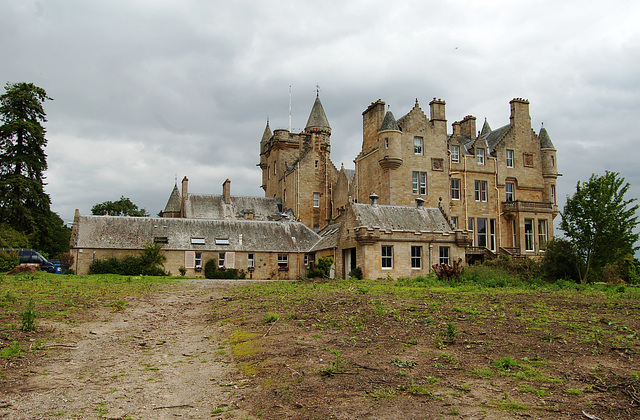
[416, 219]
[317, 117]
[545, 140]
[116, 232]
[389, 122]
[328, 237]
[203, 206]
[495, 136]
[174, 203]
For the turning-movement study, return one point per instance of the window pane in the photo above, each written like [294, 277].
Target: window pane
[423, 183]
[455, 189]
[387, 257]
[542, 233]
[455, 154]
[510, 158]
[528, 235]
[414, 181]
[480, 156]
[417, 145]
[416, 257]
[482, 232]
[444, 255]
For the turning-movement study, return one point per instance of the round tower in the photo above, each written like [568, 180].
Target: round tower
[389, 143]
[549, 166]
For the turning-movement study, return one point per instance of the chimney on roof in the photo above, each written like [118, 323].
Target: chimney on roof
[226, 191]
[468, 126]
[419, 202]
[185, 192]
[374, 199]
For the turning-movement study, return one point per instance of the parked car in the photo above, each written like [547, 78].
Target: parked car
[30, 256]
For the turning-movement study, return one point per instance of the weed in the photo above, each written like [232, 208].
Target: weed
[119, 305]
[333, 367]
[451, 333]
[506, 364]
[540, 392]
[29, 317]
[14, 350]
[573, 391]
[270, 317]
[403, 363]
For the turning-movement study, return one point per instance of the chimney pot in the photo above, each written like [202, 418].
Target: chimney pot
[374, 199]
[419, 202]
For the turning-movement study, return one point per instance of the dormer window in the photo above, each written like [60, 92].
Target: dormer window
[480, 156]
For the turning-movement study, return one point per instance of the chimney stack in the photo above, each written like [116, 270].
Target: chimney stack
[226, 191]
[185, 192]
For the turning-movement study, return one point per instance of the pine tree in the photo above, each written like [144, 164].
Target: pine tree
[23, 203]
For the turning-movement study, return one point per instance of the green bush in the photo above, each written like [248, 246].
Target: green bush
[561, 261]
[211, 271]
[356, 273]
[322, 268]
[149, 263]
[8, 260]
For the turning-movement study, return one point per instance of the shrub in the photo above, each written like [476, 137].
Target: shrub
[147, 264]
[211, 271]
[356, 273]
[322, 268]
[8, 260]
[29, 317]
[182, 270]
[560, 261]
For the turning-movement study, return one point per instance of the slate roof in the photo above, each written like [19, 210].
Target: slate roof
[351, 173]
[317, 117]
[203, 206]
[545, 140]
[403, 218]
[389, 122]
[174, 203]
[495, 136]
[328, 237]
[120, 232]
[267, 134]
[486, 128]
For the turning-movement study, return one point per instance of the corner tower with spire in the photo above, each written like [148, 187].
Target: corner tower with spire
[297, 169]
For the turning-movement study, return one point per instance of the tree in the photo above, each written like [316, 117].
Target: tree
[122, 207]
[23, 202]
[600, 223]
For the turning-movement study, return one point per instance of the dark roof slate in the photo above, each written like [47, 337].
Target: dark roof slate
[203, 206]
[328, 237]
[175, 201]
[389, 122]
[119, 232]
[545, 140]
[495, 136]
[317, 117]
[403, 218]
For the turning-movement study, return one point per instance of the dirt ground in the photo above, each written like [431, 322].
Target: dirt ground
[159, 358]
[198, 349]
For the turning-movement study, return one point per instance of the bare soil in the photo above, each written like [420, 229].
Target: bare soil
[203, 349]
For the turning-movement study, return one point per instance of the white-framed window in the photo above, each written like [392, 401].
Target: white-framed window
[251, 261]
[419, 182]
[316, 199]
[444, 255]
[197, 240]
[387, 256]
[283, 262]
[455, 154]
[455, 189]
[481, 190]
[198, 261]
[222, 241]
[454, 221]
[417, 145]
[542, 234]
[471, 230]
[416, 257]
[510, 163]
[221, 256]
[509, 191]
[482, 232]
[529, 235]
[480, 156]
[553, 194]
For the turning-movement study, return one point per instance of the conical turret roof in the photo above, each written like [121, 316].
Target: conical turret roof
[545, 140]
[175, 202]
[267, 133]
[389, 122]
[486, 129]
[317, 118]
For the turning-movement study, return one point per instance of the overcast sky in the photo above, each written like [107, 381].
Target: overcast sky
[147, 91]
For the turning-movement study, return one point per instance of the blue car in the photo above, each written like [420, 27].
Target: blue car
[29, 256]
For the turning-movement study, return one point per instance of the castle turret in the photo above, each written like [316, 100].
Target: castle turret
[389, 137]
[549, 166]
[318, 126]
[266, 136]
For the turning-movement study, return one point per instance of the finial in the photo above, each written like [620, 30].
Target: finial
[541, 125]
[317, 90]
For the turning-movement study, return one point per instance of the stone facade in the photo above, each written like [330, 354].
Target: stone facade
[499, 185]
